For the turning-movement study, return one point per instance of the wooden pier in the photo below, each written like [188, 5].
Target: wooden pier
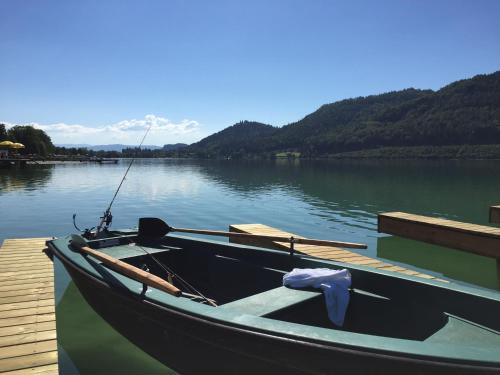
[478, 239]
[28, 343]
[22, 162]
[324, 252]
[11, 162]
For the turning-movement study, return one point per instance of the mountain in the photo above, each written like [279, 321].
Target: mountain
[112, 147]
[332, 119]
[237, 140]
[466, 112]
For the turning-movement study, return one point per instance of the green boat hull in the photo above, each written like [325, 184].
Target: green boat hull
[394, 324]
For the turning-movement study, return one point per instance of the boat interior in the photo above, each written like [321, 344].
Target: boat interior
[240, 280]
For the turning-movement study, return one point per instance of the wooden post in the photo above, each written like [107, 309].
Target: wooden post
[498, 274]
[495, 214]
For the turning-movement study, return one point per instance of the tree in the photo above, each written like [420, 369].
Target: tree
[36, 141]
[3, 133]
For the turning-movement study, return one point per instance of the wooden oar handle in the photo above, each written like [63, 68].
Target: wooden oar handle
[305, 241]
[134, 272]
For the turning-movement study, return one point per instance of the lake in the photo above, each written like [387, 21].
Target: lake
[336, 200]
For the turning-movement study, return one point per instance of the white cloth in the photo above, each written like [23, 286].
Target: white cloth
[333, 283]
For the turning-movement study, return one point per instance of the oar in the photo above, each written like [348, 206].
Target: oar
[154, 227]
[135, 273]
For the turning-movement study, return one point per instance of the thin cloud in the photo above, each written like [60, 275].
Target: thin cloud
[162, 131]
[158, 124]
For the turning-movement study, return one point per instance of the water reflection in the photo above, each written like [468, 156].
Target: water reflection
[250, 177]
[342, 198]
[453, 264]
[27, 178]
[360, 187]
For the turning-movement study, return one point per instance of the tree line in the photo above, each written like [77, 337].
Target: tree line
[37, 142]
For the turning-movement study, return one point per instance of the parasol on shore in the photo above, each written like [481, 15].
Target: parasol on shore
[6, 144]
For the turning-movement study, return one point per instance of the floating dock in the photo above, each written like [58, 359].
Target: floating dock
[324, 252]
[479, 239]
[28, 342]
[21, 162]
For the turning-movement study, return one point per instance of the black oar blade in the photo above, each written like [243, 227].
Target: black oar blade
[153, 227]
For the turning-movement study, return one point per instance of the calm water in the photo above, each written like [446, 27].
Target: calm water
[329, 200]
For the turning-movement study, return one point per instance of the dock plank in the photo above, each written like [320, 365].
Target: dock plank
[27, 338]
[28, 361]
[8, 322]
[26, 291]
[7, 273]
[29, 348]
[28, 328]
[23, 277]
[40, 370]
[25, 305]
[22, 286]
[39, 310]
[26, 298]
[324, 252]
[32, 280]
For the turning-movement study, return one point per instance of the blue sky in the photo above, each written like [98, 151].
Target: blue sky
[101, 71]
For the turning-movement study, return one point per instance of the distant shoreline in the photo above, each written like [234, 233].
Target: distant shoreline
[450, 152]
[465, 152]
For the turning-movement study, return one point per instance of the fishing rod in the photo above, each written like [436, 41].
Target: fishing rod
[107, 217]
[105, 222]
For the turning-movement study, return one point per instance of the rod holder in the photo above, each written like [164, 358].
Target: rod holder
[292, 247]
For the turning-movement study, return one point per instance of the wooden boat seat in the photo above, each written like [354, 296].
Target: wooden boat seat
[271, 301]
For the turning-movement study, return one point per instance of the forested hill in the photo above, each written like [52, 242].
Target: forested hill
[466, 112]
[239, 140]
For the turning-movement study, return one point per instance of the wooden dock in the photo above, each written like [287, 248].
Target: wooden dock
[28, 343]
[479, 239]
[330, 253]
[21, 162]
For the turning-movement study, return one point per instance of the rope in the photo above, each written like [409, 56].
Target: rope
[170, 272]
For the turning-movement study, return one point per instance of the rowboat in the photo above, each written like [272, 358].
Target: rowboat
[201, 306]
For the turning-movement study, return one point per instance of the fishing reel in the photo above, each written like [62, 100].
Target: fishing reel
[106, 219]
[89, 233]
